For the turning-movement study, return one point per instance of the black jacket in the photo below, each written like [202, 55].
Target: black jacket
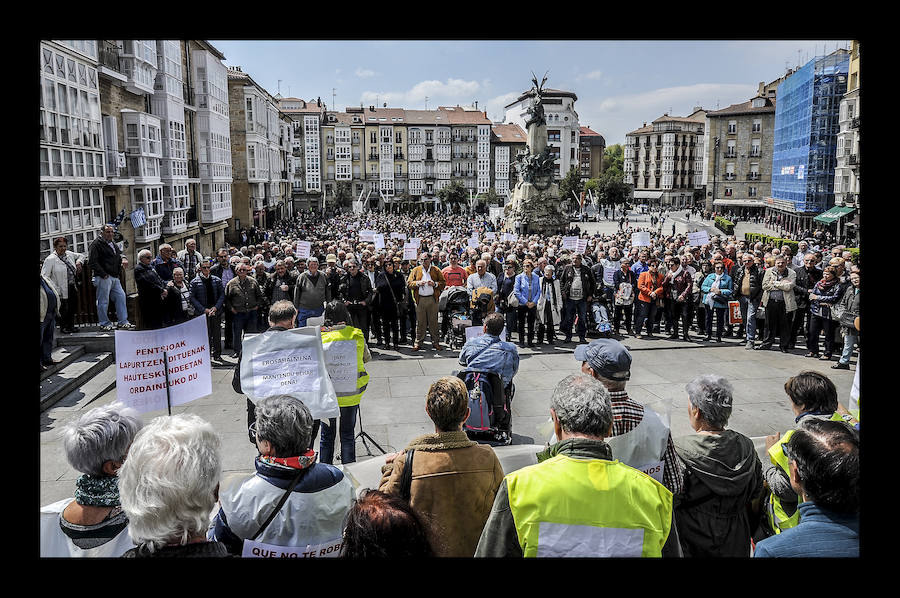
[103, 260]
[805, 281]
[756, 277]
[587, 281]
[366, 290]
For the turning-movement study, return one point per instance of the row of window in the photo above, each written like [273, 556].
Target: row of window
[71, 163]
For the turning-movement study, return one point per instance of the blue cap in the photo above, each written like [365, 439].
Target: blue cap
[607, 357]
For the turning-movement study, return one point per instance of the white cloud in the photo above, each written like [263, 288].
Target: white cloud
[450, 92]
[592, 76]
[364, 73]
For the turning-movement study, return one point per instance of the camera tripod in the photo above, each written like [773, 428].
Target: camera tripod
[364, 436]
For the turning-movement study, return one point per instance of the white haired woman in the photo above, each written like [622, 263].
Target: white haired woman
[169, 486]
[93, 523]
[723, 484]
[291, 502]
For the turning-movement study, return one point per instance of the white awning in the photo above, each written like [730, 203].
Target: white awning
[749, 203]
[648, 194]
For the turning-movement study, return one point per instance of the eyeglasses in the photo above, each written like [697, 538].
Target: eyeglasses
[252, 430]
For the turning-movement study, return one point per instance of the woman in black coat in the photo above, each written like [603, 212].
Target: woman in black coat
[390, 287]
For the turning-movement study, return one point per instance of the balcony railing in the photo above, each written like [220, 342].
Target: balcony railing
[853, 161]
[730, 176]
[730, 155]
[109, 57]
[854, 124]
[753, 176]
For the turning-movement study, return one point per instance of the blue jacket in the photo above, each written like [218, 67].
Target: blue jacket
[198, 294]
[164, 269]
[820, 533]
[522, 284]
[725, 285]
[487, 353]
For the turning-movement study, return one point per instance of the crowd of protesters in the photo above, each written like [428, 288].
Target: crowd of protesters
[541, 285]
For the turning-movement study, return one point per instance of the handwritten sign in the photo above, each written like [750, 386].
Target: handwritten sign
[260, 550]
[340, 361]
[445, 237]
[415, 242]
[379, 241]
[472, 242]
[608, 275]
[698, 239]
[141, 369]
[640, 239]
[303, 248]
[510, 237]
[367, 236]
[581, 246]
[569, 243]
[410, 252]
[475, 331]
[395, 235]
[490, 236]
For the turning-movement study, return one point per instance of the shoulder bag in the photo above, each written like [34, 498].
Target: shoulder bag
[406, 476]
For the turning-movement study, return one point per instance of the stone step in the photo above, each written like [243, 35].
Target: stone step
[64, 355]
[73, 376]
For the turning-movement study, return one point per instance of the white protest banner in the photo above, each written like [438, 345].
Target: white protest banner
[395, 235]
[472, 242]
[494, 213]
[259, 550]
[379, 241]
[640, 239]
[445, 237]
[569, 242]
[415, 242]
[510, 237]
[302, 251]
[367, 236]
[141, 371]
[473, 331]
[608, 274]
[581, 246]
[410, 252]
[340, 361]
[490, 236]
[289, 362]
[401, 236]
[698, 239]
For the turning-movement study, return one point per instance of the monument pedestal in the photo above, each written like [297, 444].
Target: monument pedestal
[539, 209]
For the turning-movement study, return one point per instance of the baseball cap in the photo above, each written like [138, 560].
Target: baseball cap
[331, 258]
[608, 357]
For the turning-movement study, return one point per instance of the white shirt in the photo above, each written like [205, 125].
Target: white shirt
[425, 290]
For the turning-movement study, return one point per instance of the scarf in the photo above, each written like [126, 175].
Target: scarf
[302, 462]
[96, 491]
[824, 285]
[676, 272]
[710, 297]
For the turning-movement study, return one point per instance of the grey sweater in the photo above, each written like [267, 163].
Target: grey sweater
[309, 295]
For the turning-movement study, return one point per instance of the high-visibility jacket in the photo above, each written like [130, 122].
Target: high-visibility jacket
[779, 520]
[344, 350]
[567, 506]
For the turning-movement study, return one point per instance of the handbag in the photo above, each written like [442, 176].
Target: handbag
[625, 294]
[406, 476]
[837, 311]
[512, 300]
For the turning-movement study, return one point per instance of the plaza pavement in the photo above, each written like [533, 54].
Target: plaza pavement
[392, 410]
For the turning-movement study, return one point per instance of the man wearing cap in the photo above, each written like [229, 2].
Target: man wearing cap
[333, 274]
[640, 438]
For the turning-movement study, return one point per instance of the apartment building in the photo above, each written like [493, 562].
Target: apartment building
[470, 134]
[385, 151]
[307, 118]
[663, 161]
[591, 146]
[846, 173]
[429, 149]
[260, 145]
[509, 142]
[343, 159]
[807, 118]
[562, 124]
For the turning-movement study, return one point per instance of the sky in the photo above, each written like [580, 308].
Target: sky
[620, 84]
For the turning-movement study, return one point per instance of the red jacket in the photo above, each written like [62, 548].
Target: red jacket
[648, 283]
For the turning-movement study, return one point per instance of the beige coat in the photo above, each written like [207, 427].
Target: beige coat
[453, 487]
[786, 284]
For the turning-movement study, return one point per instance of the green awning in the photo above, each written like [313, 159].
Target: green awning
[835, 213]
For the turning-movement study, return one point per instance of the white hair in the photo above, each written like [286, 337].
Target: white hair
[100, 435]
[168, 483]
[144, 252]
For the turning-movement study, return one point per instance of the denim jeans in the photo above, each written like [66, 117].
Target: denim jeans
[47, 329]
[346, 431]
[748, 313]
[645, 312]
[305, 314]
[243, 320]
[110, 287]
[574, 307]
[850, 338]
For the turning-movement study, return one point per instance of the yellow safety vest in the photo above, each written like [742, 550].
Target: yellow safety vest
[348, 395]
[779, 520]
[608, 509]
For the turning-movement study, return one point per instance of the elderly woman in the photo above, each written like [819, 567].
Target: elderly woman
[316, 496]
[823, 295]
[390, 289]
[723, 483]
[384, 526]
[179, 307]
[169, 486]
[446, 466]
[93, 523]
[717, 289]
[63, 267]
[549, 306]
[506, 287]
[528, 292]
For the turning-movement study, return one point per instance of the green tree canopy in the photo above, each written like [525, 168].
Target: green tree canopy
[613, 157]
[569, 184]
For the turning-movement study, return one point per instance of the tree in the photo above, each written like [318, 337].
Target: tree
[613, 157]
[342, 194]
[592, 185]
[570, 184]
[454, 194]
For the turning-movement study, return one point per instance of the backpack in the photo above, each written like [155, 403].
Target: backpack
[483, 298]
[481, 411]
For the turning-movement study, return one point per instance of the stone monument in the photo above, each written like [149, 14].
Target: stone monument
[535, 202]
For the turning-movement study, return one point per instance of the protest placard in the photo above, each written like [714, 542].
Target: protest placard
[289, 362]
[141, 369]
[302, 250]
[445, 237]
[608, 274]
[472, 242]
[640, 239]
[698, 239]
[401, 236]
[367, 236]
[490, 236]
[395, 235]
[510, 237]
[379, 241]
[340, 361]
[410, 252]
[569, 243]
[581, 246]
[473, 331]
[415, 242]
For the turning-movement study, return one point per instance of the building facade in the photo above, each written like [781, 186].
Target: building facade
[470, 131]
[663, 161]
[846, 174]
[509, 142]
[590, 153]
[562, 125]
[430, 156]
[807, 118]
[307, 118]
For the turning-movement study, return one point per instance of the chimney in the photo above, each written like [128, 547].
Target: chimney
[371, 108]
[476, 104]
[645, 124]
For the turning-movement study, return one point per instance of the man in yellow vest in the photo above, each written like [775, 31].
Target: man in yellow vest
[578, 501]
[346, 353]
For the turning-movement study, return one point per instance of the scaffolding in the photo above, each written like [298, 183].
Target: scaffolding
[806, 127]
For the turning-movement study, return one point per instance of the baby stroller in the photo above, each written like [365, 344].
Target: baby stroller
[601, 317]
[488, 423]
[459, 316]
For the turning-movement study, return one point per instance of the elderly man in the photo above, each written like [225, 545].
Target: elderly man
[208, 298]
[318, 495]
[190, 259]
[748, 289]
[357, 292]
[481, 278]
[578, 501]
[577, 286]
[107, 262]
[166, 262]
[639, 437]
[823, 460]
[778, 297]
[800, 258]
[243, 298]
[169, 485]
[426, 283]
[311, 293]
[151, 292]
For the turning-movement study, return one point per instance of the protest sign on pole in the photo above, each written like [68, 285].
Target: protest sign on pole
[367, 236]
[472, 243]
[581, 246]
[289, 362]
[445, 237]
[640, 239]
[569, 243]
[302, 251]
[379, 241]
[395, 235]
[141, 370]
[410, 252]
[698, 239]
